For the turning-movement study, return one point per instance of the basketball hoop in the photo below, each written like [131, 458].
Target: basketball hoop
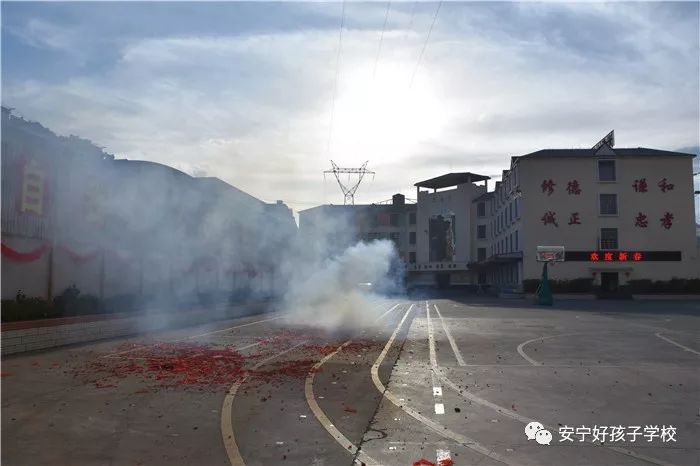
[550, 254]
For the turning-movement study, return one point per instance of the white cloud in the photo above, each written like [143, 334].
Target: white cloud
[41, 33]
[255, 109]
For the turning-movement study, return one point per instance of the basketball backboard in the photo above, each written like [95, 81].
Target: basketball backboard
[550, 254]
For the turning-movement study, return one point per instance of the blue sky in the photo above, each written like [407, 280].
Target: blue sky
[245, 91]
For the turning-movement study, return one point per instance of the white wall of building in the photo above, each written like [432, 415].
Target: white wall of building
[457, 201]
[654, 203]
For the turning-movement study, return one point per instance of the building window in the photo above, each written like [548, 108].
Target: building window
[481, 254]
[412, 218]
[394, 220]
[608, 204]
[516, 241]
[481, 231]
[412, 257]
[481, 209]
[395, 237]
[412, 237]
[606, 170]
[608, 238]
[515, 204]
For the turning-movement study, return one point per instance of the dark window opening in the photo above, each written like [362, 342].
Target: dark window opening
[606, 170]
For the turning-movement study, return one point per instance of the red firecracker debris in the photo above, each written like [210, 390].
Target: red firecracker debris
[423, 462]
[446, 462]
[189, 364]
[6, 374]
[349, 409]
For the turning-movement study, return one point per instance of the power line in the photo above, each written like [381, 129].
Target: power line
[337, 77]
[381, 39]
[425, 44]
[413, 10]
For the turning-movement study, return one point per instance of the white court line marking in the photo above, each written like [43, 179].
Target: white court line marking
[388, 311]
[235, 348]
[248, 346]
[231, 328]
[522, 345]
[325, 421]
[431, 346]
[321, 415]
[437, 391]
[453, 344]
[232, 451]
[436, 427]
[526, 420]
[227, 411]
[439, 408]
[677, 344]
[195, 336]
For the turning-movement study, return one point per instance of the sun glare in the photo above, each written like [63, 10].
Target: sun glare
[382, 117]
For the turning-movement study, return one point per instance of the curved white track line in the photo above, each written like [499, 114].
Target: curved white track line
[326, 422]
[434, 426]
[525, 343]
[232, 451]
[524, 419]
[320, 415]
[227, 433]
[685, 348]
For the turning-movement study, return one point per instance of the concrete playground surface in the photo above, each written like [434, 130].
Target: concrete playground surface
[428, 381]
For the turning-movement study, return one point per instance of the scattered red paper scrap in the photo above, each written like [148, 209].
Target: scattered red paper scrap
[446, 462]
[6, 374]
[185, 364]
[423, 462]
[349, 409]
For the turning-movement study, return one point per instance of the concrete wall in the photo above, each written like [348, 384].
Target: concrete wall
[30, 277]
[36, 338]
[654, 203]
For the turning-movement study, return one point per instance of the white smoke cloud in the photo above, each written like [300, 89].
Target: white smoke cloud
[341, 292]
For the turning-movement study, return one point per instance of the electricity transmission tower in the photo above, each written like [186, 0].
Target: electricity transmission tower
[349, 190]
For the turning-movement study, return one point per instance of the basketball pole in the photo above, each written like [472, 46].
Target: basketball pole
[544, 292]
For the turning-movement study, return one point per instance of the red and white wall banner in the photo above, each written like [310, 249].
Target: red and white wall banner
[28, 256]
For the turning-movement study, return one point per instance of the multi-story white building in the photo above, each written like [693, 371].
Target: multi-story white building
[446, 227]
[335, 227]
[621, 214]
